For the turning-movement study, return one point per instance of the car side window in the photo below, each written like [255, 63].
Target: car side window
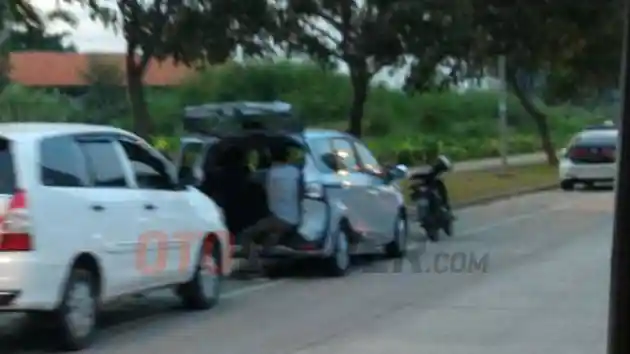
[62, 163]
[104, 163]
[149, 171]
[344, 150]
[368, 161]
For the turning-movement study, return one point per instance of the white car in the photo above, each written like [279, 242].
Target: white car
[589, 158]
[91, 213]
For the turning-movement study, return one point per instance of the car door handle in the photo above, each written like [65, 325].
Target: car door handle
[97, 207]
[149, 207]
[373, 191]
[345, 184]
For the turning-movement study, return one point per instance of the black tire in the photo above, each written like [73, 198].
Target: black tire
[448, 228]
[398, 247]
[433, 233]
[338, 264]
[193, 294]
[69, 338]
[567, 185]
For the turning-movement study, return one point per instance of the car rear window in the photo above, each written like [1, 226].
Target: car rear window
[62, 163]
[7, 171]
[596, 140]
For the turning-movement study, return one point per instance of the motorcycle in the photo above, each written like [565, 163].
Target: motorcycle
[428, 194]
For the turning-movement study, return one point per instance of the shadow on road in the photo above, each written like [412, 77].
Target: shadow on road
[32, 335]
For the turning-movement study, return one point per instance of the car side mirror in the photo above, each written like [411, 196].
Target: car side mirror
[397, 172]
[332, 161]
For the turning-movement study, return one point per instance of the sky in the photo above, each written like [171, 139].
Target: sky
[88, 36]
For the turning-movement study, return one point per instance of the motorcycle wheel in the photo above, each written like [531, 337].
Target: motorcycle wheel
[448, 228]
[433, 233]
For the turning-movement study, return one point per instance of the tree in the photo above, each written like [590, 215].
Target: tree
[106, 95]
[36, 38]
[355, 33]
[439, 42]
[20, 15]
[553, 36]
[368, 36]
[188, 32]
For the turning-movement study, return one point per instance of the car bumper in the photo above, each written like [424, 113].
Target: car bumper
[27, 284]
[587, 172]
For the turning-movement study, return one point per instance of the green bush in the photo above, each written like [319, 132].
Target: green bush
[398, 127]
[18, 103]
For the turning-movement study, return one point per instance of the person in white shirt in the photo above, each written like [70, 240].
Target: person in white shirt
[283, 188]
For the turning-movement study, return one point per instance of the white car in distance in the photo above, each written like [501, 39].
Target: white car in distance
[589, 158]
[92, 213]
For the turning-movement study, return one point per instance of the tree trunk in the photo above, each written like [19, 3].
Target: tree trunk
[142, 123]
[360, 88]
[540, 119]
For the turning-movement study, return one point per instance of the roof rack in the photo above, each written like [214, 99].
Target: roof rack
[238, 117]
[237, 108]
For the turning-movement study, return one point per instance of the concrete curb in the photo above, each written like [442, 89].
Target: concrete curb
[506, 195]
[494, 198]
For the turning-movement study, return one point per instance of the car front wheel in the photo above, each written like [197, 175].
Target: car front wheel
[567, 185]
[398, 246]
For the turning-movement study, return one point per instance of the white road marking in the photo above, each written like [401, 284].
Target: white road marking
[252, 288]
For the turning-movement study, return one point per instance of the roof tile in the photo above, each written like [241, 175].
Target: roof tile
[55, 69]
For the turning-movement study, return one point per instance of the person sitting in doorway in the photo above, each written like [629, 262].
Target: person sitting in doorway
[283, 188]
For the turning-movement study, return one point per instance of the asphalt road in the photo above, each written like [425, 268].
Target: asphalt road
[527, 275]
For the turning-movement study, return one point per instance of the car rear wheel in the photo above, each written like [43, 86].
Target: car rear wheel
[567, 185]
[202, 292]
[75, 319]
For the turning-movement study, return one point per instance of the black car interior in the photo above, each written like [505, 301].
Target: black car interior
[234, 177]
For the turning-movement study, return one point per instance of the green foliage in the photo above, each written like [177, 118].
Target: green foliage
[398, 126]
[409, 129]
[22, 104]
[106, 95]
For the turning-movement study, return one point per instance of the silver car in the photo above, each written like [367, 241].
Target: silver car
[350, 203]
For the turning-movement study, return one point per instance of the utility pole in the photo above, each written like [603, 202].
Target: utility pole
[503, 143]
[619, 304]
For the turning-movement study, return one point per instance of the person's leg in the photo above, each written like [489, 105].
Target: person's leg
[250, 237]
[276, 229]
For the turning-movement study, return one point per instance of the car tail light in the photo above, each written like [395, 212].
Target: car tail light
[578, 152]
[15, 225]
[609, 152]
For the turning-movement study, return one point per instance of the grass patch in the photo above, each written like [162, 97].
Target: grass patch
[467, 186]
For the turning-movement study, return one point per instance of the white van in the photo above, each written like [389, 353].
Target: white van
[91, 213]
